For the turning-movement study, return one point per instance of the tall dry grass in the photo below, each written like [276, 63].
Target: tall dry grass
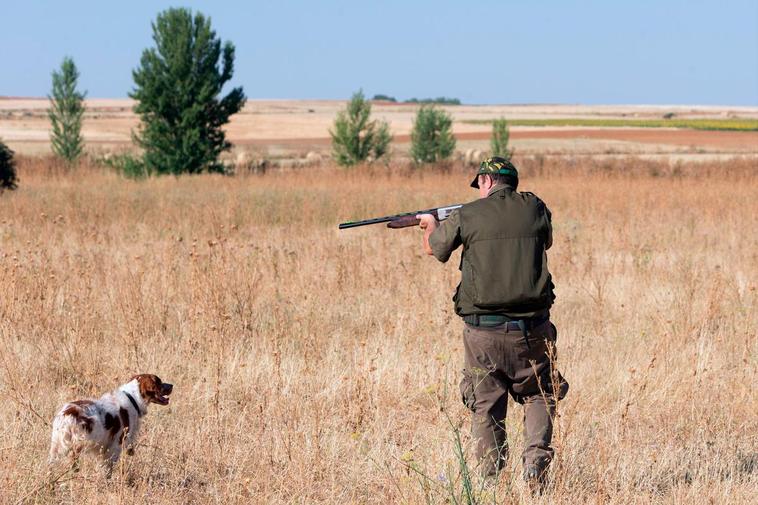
[312, 365]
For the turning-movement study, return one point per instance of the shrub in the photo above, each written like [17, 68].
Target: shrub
[8, 178]
[384, 98]
[65, 113]
[177, 87]
[499, 141]
[440, 100]
[432, 137]
[355, 138]
[128, 165]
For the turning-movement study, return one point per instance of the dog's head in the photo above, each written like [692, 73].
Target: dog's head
[153, 389]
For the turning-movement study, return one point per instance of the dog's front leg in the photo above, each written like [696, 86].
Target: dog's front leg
[130, 440]
[73, 458]
[110, 458]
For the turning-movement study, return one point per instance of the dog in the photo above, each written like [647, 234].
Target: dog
[108, 425]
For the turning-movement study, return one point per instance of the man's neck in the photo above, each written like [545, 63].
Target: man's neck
[498, 187]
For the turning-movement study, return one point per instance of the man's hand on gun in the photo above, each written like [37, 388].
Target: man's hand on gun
[428, 223]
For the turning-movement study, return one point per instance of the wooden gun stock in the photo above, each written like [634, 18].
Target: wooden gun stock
[404, 222]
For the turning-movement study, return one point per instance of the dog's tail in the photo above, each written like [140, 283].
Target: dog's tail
[70, 429]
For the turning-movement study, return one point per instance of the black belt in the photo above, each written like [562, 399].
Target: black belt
[492, 320]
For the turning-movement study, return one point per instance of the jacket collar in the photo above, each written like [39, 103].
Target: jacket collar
[499, 187]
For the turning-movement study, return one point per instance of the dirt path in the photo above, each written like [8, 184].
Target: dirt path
[721, 139]
[727, 140]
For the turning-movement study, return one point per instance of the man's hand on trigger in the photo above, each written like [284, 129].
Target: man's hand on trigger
[428, 223]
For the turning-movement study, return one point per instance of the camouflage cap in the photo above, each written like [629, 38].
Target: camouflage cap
[494, 165]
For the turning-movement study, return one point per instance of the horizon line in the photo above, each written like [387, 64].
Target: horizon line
[462, 104]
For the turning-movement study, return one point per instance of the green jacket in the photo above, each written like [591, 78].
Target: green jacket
[504, 262]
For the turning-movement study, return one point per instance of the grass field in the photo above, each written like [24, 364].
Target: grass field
[313, 365]
[694, 124]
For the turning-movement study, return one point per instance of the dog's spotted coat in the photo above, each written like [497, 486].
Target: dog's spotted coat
[108, 425]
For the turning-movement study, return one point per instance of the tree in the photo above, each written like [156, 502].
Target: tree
[384, 98]
[440, 100]
[432, 136]
[8, 179]
[355, 138]
[177, 88]
[499, 141]
[65, 112]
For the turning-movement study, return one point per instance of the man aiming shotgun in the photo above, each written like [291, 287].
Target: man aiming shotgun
[504, 298]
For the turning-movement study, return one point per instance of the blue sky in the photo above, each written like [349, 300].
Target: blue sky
[552, 51]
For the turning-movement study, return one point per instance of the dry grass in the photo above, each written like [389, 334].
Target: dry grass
[312, 365]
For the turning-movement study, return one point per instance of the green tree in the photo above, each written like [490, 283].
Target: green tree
[384, 98]
[65, 112]
[177, 88]
[355, 137]
[8, 179]
[499, 141]
[432, 137]
[440, 100]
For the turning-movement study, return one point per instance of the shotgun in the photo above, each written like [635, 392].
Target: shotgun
[403, 220]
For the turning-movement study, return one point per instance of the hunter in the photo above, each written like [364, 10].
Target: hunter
[504, 298]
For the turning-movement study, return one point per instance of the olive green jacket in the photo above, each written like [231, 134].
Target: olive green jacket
[504, 262]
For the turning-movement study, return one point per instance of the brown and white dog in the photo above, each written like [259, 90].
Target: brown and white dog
[106, 426]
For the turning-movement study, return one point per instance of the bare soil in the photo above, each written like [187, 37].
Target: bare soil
[283, 127]
[724, 140]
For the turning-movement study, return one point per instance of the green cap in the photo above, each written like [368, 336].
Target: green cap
[494, 165]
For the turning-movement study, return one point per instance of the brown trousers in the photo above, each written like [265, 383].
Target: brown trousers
[499, 362]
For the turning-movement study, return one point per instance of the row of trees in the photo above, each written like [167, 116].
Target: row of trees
[356, 138]
[177, 88]
[441, 100]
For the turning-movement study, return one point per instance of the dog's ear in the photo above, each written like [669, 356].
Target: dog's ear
[146, 378]
[144, 385]
[149, 385]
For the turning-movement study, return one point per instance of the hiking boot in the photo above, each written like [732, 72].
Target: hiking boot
[534, 477]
